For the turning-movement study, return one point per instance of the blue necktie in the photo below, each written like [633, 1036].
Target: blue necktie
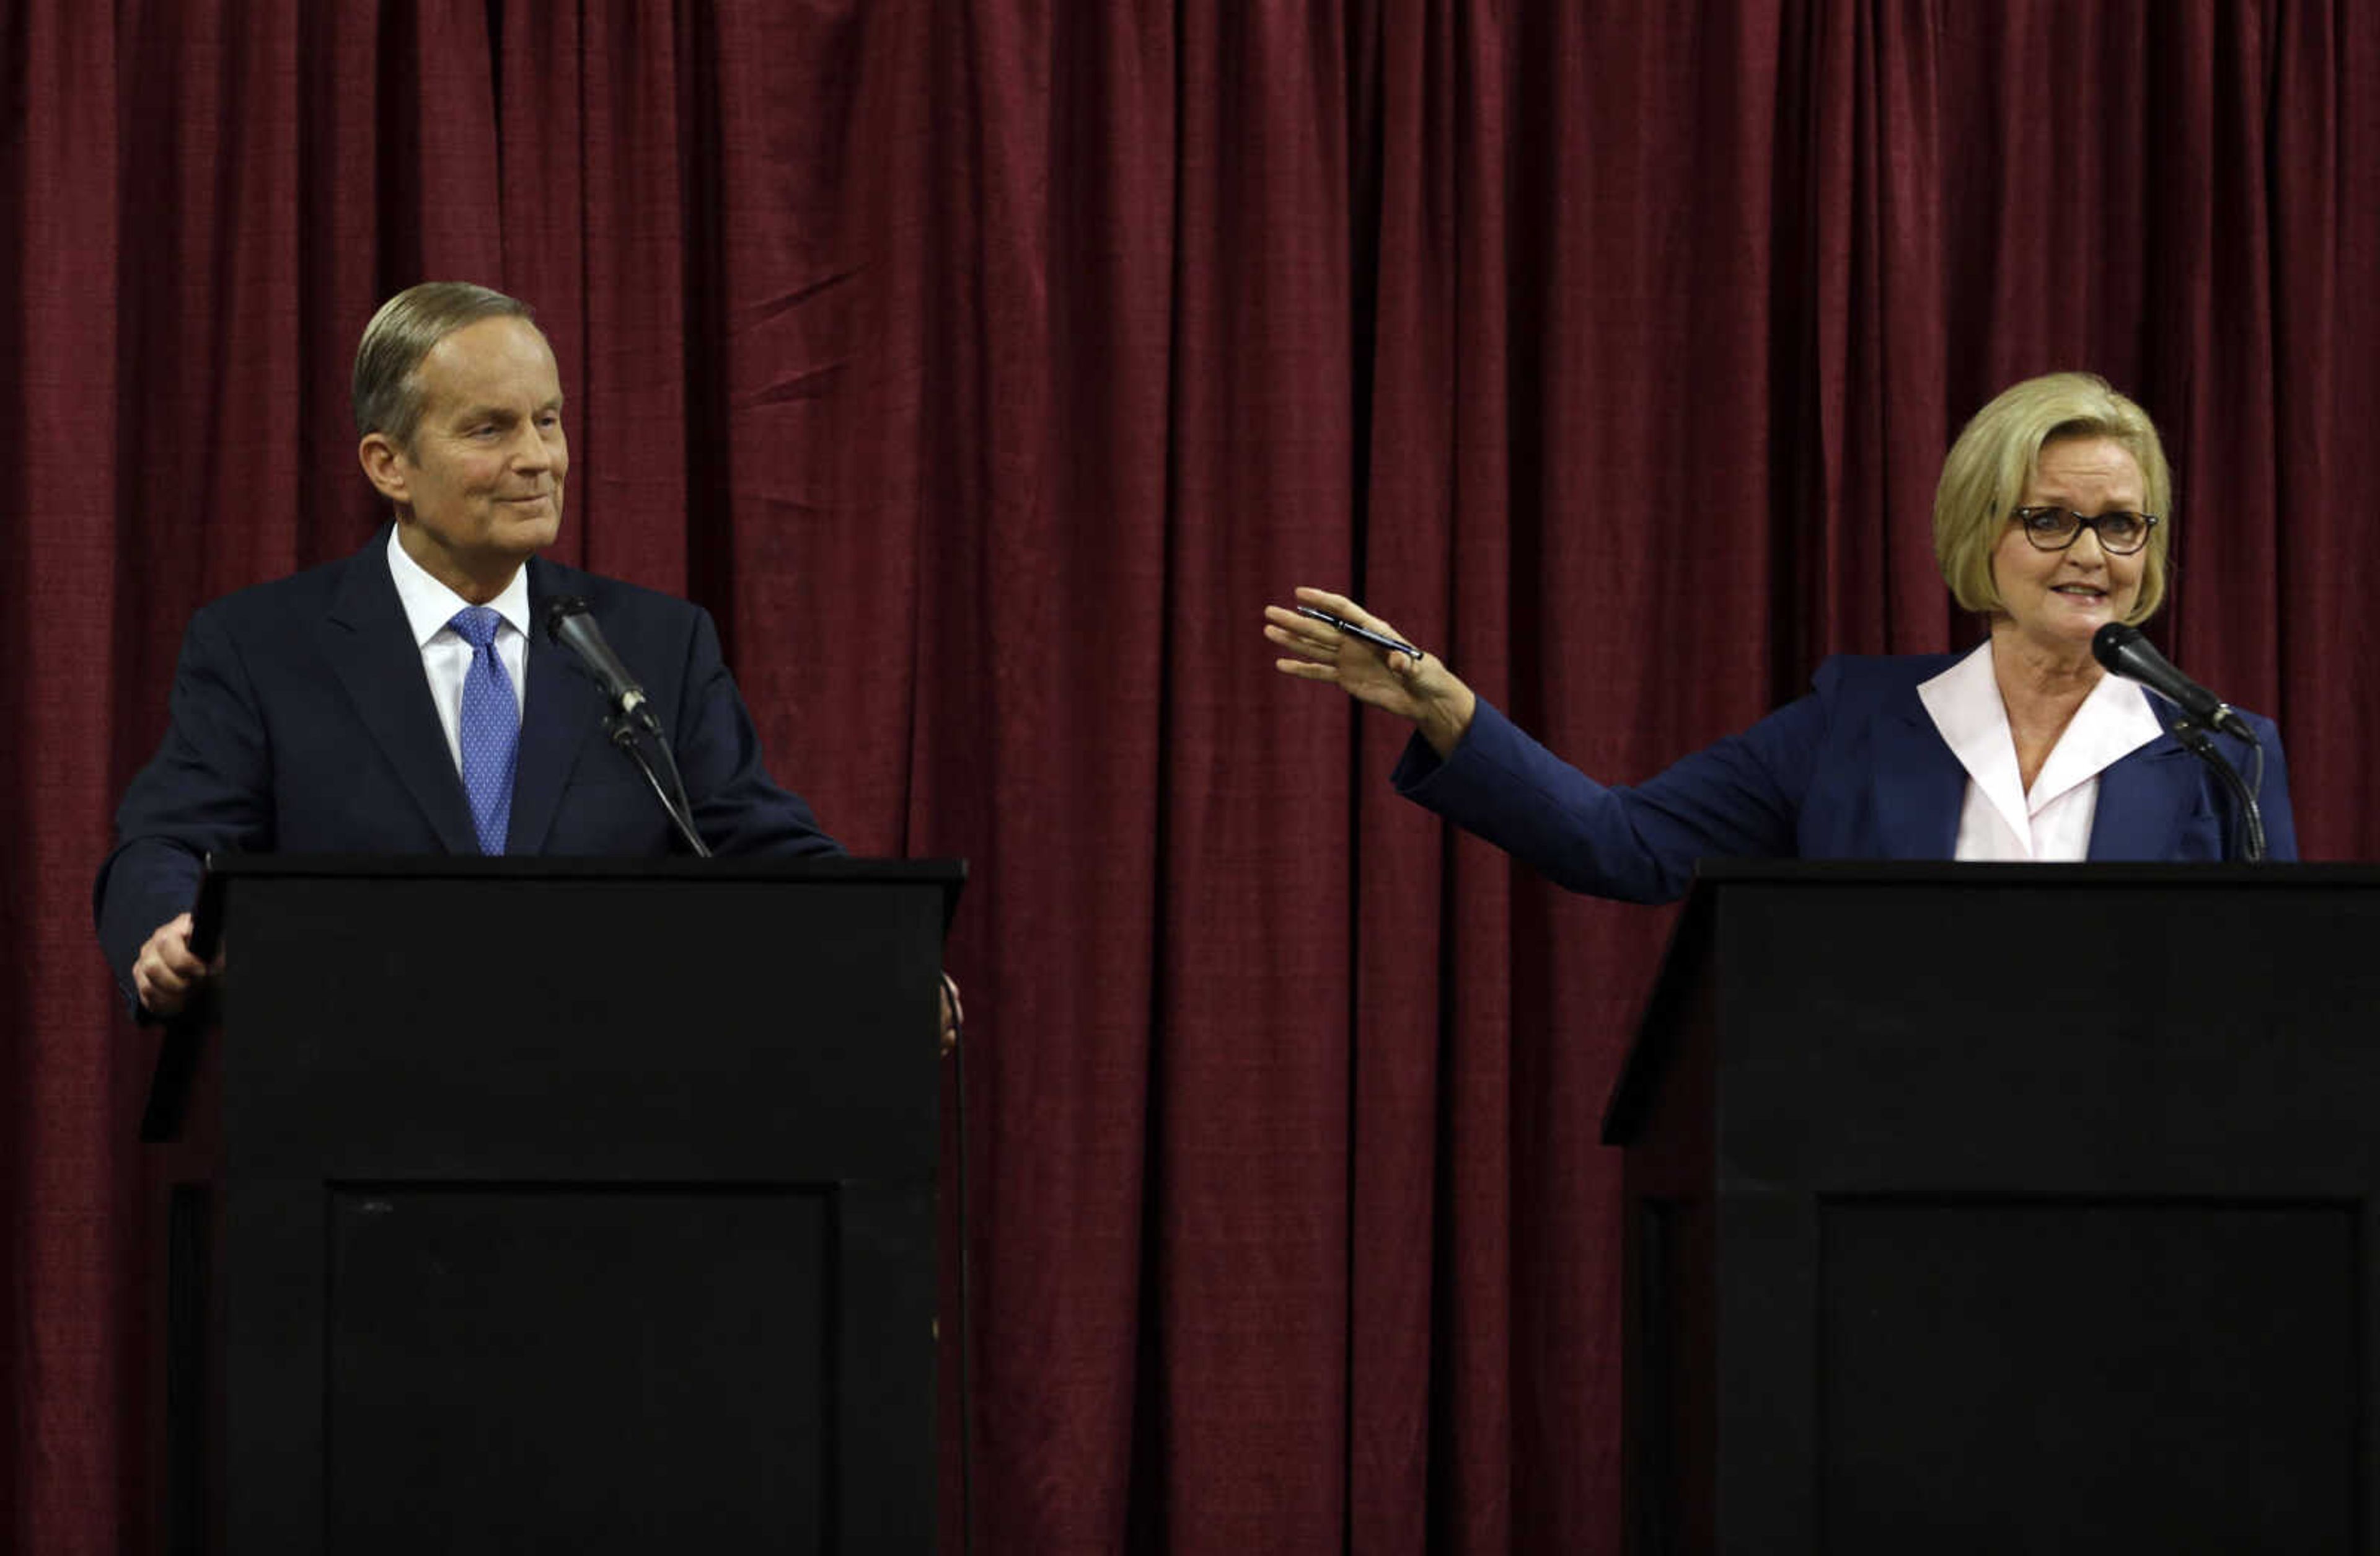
[490, 728]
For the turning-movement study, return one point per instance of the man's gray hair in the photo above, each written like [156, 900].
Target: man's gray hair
[386, 392]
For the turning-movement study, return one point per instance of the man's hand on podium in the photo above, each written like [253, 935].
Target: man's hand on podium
[167, 973]
[954, 1014]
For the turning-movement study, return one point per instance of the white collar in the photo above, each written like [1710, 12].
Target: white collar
[2114, 721]
[430, 604]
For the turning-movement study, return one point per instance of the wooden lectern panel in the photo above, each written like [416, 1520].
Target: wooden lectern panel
[595, 1366]
[2007, 1208]
[559, 1205]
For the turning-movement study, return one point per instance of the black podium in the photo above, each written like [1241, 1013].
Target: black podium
[2007, 1208]
[529, 1205]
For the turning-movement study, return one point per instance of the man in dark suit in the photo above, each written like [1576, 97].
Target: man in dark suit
[403, 700]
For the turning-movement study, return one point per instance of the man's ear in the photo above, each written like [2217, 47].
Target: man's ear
[386, 465]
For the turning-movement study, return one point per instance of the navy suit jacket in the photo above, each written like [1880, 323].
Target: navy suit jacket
[1855, 770]
[302, 722]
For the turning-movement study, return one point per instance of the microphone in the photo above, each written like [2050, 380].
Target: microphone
[572, 625]
[2126, 652]
[569, 625]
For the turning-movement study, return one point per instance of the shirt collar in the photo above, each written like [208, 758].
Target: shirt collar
[430, 604]
[2113, 722]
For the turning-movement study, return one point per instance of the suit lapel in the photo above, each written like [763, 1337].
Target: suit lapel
[2141, 798]
[562, 715]
[370, 646]
[1920, 784]
[2141, 795]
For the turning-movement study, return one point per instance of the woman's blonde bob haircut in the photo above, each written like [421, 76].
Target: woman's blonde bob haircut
[1984, 476]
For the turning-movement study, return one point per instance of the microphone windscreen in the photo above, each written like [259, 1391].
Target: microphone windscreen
[2113, 646]
[558, 610]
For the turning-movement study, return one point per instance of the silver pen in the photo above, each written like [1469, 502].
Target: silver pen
[1377, 639]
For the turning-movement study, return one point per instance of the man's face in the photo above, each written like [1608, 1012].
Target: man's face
[479, 491]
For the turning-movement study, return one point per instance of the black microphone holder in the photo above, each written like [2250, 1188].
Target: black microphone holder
[628, 731]
[2195, 739]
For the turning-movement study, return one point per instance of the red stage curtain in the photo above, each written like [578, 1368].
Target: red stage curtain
[985, 368]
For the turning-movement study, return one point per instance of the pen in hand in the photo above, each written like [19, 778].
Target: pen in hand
[1377, 639]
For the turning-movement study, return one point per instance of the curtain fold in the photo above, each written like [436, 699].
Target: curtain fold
[64, 409]
[984, 368]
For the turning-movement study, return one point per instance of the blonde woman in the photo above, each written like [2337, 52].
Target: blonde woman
[2049, 522]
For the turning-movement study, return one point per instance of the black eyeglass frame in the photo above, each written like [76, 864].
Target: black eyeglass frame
[2149, 522]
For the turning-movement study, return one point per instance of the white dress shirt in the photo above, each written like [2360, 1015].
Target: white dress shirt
[445, 657]
[2002, 819]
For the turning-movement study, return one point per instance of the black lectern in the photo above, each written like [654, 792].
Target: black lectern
[2007, 1208]
[557, 1204]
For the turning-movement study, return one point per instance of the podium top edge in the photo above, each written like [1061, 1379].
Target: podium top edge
[1719, 881]
[834, 869]
[456, 866]
[1713, 873]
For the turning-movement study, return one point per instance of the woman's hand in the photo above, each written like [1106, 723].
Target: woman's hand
[1423, 690]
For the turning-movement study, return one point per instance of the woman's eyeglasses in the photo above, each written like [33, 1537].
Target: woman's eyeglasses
[2121, 532]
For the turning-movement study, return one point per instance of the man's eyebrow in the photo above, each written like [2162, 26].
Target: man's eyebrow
[499, 413]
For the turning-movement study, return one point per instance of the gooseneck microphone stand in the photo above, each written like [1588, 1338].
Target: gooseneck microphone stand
[2200, 744]
[629, 714]
[2125, 650]
[633, 733]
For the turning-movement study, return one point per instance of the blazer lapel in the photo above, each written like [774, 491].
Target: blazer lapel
[1920, 784]
[563, 715]
[2141, 798]
[370, 647]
